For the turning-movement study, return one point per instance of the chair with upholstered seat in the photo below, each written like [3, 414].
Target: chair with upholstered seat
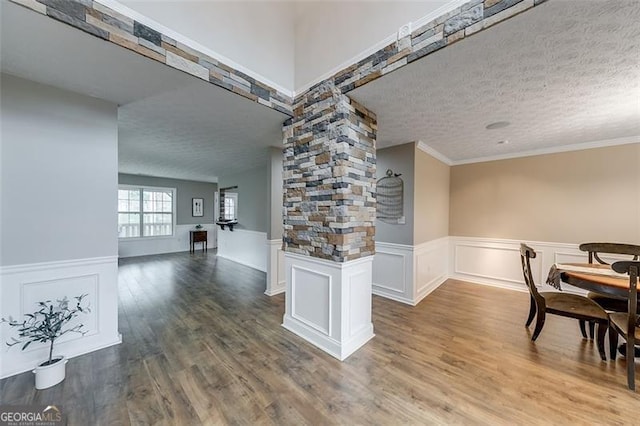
[626, 324]
[562, 304]
[595, 250]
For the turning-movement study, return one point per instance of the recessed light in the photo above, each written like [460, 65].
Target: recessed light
[504, 142]
[497, 125]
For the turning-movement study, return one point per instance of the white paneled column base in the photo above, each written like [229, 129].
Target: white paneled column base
[329, 303]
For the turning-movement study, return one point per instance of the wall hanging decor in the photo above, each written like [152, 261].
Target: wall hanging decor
[390, 198]
[197, 207]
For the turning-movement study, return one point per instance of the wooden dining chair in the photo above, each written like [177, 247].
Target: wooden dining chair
[595, 250]
[562, 304]
[626, 324]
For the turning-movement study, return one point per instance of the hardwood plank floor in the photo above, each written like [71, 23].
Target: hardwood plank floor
[202, 344]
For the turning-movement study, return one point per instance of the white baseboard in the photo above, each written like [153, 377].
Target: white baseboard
[25, 285]
[326, 343]
[246, 247]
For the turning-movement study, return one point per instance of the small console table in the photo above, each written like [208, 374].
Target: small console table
[197, 236]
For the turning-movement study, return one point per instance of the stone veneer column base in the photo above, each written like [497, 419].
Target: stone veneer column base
[329, 303]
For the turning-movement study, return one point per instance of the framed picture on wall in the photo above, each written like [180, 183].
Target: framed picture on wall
[197, 207]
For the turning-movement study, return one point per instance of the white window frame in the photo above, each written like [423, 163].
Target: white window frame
[234, 197]
[174, 208]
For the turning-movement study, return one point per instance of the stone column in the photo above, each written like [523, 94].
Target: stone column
[329, 201]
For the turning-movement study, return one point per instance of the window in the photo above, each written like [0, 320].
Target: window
[230, 206]
[145, 211]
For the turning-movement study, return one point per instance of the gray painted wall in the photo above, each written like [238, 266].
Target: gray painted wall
[185, 189]
[253, 202]
[58, 174]
[400, 159]
[275, 193]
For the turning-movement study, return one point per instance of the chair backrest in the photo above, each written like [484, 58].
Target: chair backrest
[526, 254]
[633, 269]
[596, 249]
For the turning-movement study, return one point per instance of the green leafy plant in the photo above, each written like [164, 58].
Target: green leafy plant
[46, 324]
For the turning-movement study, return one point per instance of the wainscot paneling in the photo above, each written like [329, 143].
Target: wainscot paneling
[496, 262]
[23, 286]
[129, 247]
[430, 261]
[408, 273]
[393, 272]
[276, 282]
[248, 248]
[329, 303]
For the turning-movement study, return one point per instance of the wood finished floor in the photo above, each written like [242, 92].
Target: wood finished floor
[203, 345]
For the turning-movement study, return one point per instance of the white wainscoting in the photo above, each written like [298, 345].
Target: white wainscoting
[25, 285]
[276, 280]
[158, 245]
[393, 272]
[329, 303]
[409, 273]
[430, 262]
[496, 262]
[248, 248]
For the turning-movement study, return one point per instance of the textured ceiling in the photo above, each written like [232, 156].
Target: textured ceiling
[566, 72]
[198, 132]
[563, 73]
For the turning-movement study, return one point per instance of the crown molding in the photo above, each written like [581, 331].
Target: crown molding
[531, 153]
[435, 154]
[125, 10]
[553, 150]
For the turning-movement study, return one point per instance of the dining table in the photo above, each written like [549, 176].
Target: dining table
[598, 278]
[592, 277]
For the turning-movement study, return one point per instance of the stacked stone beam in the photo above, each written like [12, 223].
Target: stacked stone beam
[329, 177]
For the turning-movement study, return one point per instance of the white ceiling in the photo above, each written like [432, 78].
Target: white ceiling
[564, 73]
[170, 124]
[195, 133]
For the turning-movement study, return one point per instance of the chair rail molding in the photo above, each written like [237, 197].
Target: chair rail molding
[25, 285]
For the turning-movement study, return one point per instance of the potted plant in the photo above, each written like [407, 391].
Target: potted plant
[46, 325]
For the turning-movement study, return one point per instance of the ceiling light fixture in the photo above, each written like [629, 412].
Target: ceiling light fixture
[497, 125]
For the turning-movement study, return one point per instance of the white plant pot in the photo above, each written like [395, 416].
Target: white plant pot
[50, 375]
